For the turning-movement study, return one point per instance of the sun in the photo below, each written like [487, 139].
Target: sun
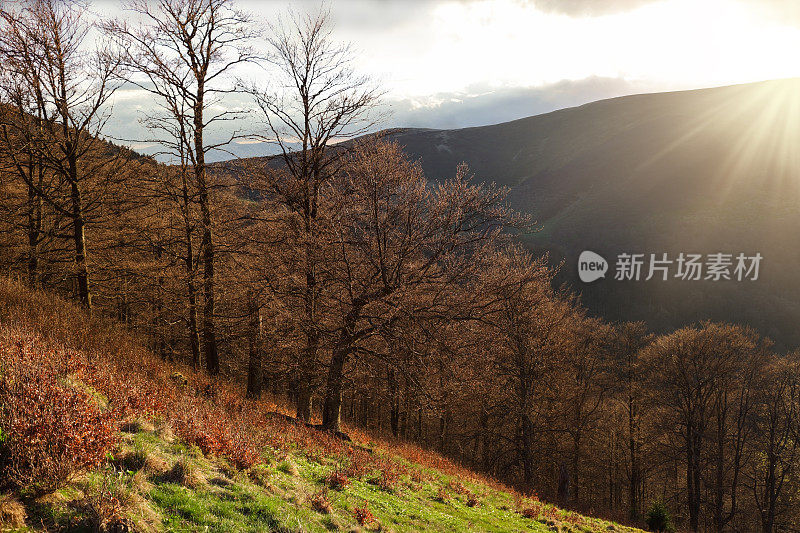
[671, 44]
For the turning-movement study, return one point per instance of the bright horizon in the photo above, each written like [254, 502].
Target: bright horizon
[451, 64]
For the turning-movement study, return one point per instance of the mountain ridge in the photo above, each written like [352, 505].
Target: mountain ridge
[702, 170]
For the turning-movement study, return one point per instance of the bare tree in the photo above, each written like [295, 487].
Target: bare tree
[184, 52]
[21, 156]
[314, 101]
[701, 380]
[776, 441]
[398, 250]
[530, 328]
[44, 45]
[629, 339]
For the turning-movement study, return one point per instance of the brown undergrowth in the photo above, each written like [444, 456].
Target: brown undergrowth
[99, 366]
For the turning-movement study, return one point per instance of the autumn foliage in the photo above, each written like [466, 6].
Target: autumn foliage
[60, 409]
[337, 276]
[50, 430]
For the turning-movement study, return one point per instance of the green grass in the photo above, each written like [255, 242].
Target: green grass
[277, 497]
[228, 504]
[172, 486]
[233, 508]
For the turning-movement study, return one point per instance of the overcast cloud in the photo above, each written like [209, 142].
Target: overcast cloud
[451, 64]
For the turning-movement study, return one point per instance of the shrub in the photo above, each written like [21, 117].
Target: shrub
[320, 503]
[214, 438]
[533, 511]
[442, 495]
[458, 487]
[360, 463]
[51, 431]
[387, 480]
[337, 480]
[572, 518]
[658, 518]
[472, 500]
[363, 515]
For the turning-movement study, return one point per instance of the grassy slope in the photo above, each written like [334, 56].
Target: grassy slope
[161, 482]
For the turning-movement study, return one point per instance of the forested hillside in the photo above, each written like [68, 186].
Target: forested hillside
[370, 295]
[702, 171]
[99, 435]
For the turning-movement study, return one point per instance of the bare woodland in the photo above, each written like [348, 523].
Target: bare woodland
[337, 277]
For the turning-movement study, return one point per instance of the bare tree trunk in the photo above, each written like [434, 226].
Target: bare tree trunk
[34, 230]
[635, 480]
[563, 484]
[209, 326]
[331, 411]
[768, 517]
[254, 375]
[191, 289]
[405, 414]
[158, 319]
[307, 365]
[79, 236]
[719, 469]
[304, 401]
[305, 392]
[194, 335]
[692, 480]
[576, 464]
[526, 431]
[394, 402]
[332, 408]
[527, 452]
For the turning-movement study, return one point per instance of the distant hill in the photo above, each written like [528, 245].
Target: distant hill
[712, 170]
[702, 171]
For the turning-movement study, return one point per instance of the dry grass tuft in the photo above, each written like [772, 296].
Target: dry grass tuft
[12, 513]
[136, 425]
[155, 465]
[259, 475]
[387, 480]
[184, 473]
[288, 467]
[108, 503]
[133, 460]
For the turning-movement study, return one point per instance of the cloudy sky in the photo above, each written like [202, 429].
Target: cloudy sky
[450, 64]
